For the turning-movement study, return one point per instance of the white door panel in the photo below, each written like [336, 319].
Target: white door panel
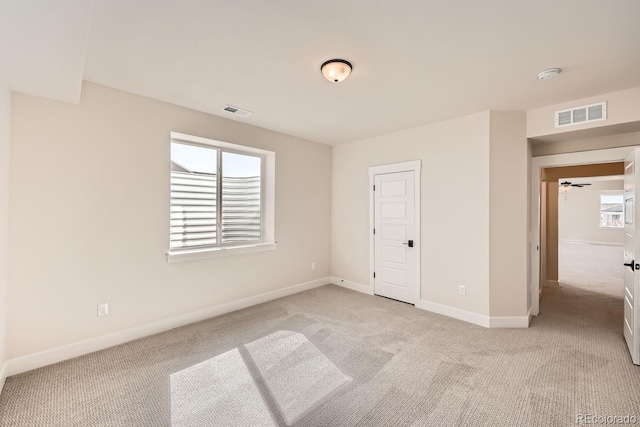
[394, 254]
[631, 324]
[394, 210]
[392, 276]
[393, 188]
[394, 222]
[393, 232]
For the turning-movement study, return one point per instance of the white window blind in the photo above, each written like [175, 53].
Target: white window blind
[216, 197]
[193, 209]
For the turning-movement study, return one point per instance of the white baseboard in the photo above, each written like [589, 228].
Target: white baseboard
[456, 313]
[58, 354]
[509, 322]
[354, 286]
[475, 318]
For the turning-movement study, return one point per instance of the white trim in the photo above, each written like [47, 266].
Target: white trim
[268, 189]
[217, 252]
[354, 286]
[58, 354]
[456, 313]
[416, 167]
[509, 322]
[219, 144]
[475, 318]
[411, 165]
[556, 160]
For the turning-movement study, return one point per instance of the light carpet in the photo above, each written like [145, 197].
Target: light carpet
[273, 381]
[217, 392]
[409, 367]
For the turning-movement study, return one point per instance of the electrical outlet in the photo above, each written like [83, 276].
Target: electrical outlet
[103, 309]
[462, 290]
[313, 265]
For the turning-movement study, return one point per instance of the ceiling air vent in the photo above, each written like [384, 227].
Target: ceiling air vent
[583, 114]
[237, 111]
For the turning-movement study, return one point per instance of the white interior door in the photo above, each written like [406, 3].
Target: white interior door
[396, 263]
[631, 324]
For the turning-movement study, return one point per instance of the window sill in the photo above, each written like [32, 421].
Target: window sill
[193, 255]
[611, 228]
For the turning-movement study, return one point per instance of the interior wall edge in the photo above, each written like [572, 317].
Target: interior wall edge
[3, 376]
[5, 163]
[456, 313]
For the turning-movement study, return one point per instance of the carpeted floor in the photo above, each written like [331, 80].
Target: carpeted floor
[408, 367]
[596, 268]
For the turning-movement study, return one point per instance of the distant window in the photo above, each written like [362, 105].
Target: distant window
[218, 195]
[611, 211]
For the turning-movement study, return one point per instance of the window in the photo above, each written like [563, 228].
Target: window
[221, 198]
[611, 211]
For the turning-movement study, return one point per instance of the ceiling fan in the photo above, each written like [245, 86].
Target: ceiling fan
[567, 184]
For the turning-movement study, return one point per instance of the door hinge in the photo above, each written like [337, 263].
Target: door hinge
[374, 188]
[374, 274]
[374, 231]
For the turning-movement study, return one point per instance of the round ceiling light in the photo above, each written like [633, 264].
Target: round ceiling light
[549, 73]
[336, 70]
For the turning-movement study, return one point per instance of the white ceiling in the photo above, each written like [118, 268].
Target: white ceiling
[415, 62]
[43, 45]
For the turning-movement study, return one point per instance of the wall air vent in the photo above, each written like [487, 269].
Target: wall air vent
[237, 111]
[584, 114]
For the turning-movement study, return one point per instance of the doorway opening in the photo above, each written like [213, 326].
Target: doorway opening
[546, 171]
[568, 190]
[591, 234]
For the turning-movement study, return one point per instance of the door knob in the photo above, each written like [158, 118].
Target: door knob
[409, 243]
[631, 265]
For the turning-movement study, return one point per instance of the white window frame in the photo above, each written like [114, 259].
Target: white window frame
[610, 193]
[267, 233]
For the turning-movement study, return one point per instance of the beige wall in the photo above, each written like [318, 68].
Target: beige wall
[508, 229]
[5, 123]
[89, 218]
[455, 180]
[586, 144]
[623, 110]
[579, 214]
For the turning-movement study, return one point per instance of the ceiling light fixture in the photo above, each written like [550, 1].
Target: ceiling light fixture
[336, 70]
[549, 73]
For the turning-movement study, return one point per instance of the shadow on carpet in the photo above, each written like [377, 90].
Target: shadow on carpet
[273, 381]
